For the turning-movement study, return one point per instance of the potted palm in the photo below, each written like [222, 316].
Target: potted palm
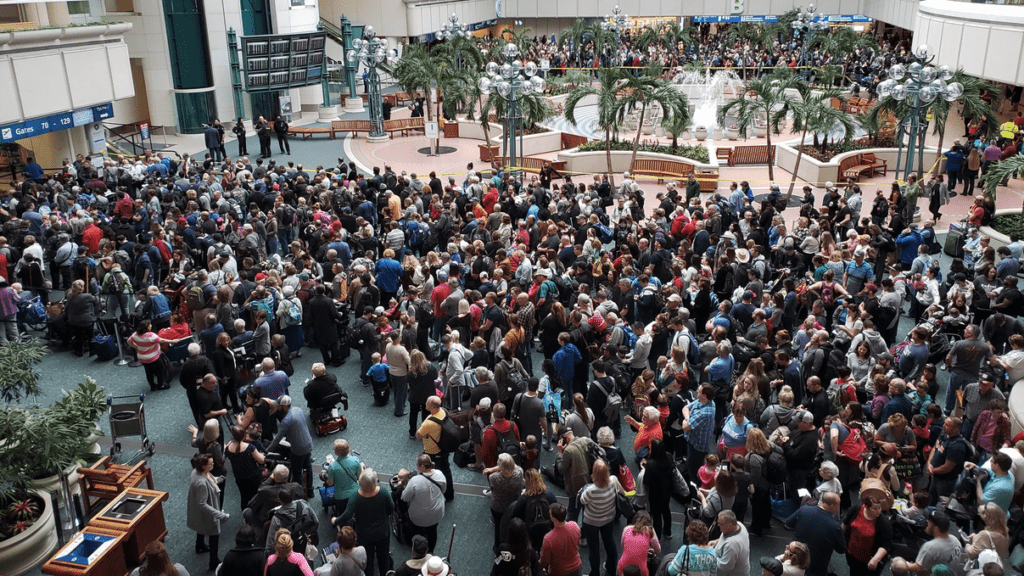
[40, 444]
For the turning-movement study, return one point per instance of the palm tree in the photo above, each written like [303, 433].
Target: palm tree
[675, 126]
[1000, 171]
[607, 99]
[973, 106]
[838, 43]
[763, 99]
[646, 90]
[419, 68]
[531, 106]
[574, 36]
[815, 114]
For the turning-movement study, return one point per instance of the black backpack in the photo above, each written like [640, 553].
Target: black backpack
[450, 436]
[509, 444]
[774, 469]
[536, 514]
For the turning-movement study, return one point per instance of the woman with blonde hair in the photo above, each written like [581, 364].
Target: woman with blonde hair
[536, 496]
[995, 536]
[795, 559]
[506, 482]
[598, 500]
[422, 375]
[758, 449]
[285, 561]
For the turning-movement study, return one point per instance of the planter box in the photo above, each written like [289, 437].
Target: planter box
[597, 162]
[815, 171]
[473, 130]
[535, 144]
[451, 129]
[21, 553]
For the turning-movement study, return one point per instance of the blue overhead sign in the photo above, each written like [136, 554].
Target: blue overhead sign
[835, 18]
[55, 122]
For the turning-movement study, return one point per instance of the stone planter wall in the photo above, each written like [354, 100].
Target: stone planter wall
[817, 172]
[597, 162]
[998, 238]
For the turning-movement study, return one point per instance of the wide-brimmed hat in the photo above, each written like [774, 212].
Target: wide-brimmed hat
[742, 256]
[434, 567]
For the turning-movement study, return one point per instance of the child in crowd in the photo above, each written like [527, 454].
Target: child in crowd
[708, 472]
[531, 455]
[920, 396]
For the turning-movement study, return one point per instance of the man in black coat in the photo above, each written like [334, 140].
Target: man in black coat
[191, 377]
[322, 318]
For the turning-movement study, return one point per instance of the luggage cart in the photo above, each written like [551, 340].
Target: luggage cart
[128, 418]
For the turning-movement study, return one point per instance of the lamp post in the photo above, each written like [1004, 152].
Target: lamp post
[924, 83]
[509, 81]
[353, 103]
[616, 22]
[805, 28]
[451, 29]
[371, 51]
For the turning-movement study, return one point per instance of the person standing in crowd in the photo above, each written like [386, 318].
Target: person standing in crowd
[281, 129]
[239, 130]
[204, 513]
[371, 508]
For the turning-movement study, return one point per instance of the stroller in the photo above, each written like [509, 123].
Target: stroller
[401, 525]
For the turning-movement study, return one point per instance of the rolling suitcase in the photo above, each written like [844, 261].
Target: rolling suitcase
[954, 245]
[464, 456]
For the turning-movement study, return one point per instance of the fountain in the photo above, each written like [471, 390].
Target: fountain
[708, 90]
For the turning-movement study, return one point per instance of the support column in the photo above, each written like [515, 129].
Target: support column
[58, 13]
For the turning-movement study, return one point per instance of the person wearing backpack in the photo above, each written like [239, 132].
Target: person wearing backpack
[528, 411]
[533, 507]
[842, 436]
[501, 437]
[604, 399]
[436, 442]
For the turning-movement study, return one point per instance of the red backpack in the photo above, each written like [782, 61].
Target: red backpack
[854, 447]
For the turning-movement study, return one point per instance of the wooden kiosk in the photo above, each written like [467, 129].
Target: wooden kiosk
[138, 514]
[91, 552]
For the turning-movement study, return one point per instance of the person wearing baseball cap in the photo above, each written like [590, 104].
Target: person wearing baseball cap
[942, 549]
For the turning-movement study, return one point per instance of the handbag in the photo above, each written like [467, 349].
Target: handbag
[624, 507]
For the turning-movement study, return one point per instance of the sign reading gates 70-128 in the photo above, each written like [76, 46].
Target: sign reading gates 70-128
[279, 61]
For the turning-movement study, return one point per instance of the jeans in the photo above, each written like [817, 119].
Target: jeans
[120, 303]
[215, 154]
[592, 533]
[400, 387]
[381, 550]
[956, 382]
[365, 361]
[282, 143]
[438, 328]
[284, 237]
[300, 463]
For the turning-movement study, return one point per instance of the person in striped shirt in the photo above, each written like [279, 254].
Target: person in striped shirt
[147, 346]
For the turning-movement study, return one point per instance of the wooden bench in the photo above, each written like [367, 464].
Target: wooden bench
[863, 164]
[398, 97]
[752, 155]
[662, 169]
[308, 132]
[404, 125]
[724, 153]
[353, 126]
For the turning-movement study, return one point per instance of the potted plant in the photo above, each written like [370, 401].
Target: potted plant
[40, 444]
[760, 129]
[18, 378]
[701, 133]
[732, 132]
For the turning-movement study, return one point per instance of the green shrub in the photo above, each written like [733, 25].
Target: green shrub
[696, 152]
[1009, 224]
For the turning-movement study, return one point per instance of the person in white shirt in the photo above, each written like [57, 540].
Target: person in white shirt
[1013, 361]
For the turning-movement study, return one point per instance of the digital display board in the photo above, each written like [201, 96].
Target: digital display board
[279, 61]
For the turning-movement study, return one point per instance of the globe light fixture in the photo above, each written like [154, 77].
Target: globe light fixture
[918, 85]
[371, 51]
[508, 81]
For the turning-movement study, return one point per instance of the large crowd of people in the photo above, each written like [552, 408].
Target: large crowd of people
[759, 362]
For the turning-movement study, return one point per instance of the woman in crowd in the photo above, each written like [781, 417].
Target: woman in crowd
[204, 514]
[535, 501]
[658, 471]
[599, 512]
[371, 509]
[82, 309]
[506, 483]
[259, 418]
[638, 539]
[517, 556]
[147, 345]
[245, 461]
[285, 561]
[868, 537]
[697, 557]
[158, 563]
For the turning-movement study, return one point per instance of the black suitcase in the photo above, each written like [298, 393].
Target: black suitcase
[381, 393]
[464, 456]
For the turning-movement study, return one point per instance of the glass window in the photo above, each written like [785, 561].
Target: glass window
[79, 8]
[298, 2]
[118, 6]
